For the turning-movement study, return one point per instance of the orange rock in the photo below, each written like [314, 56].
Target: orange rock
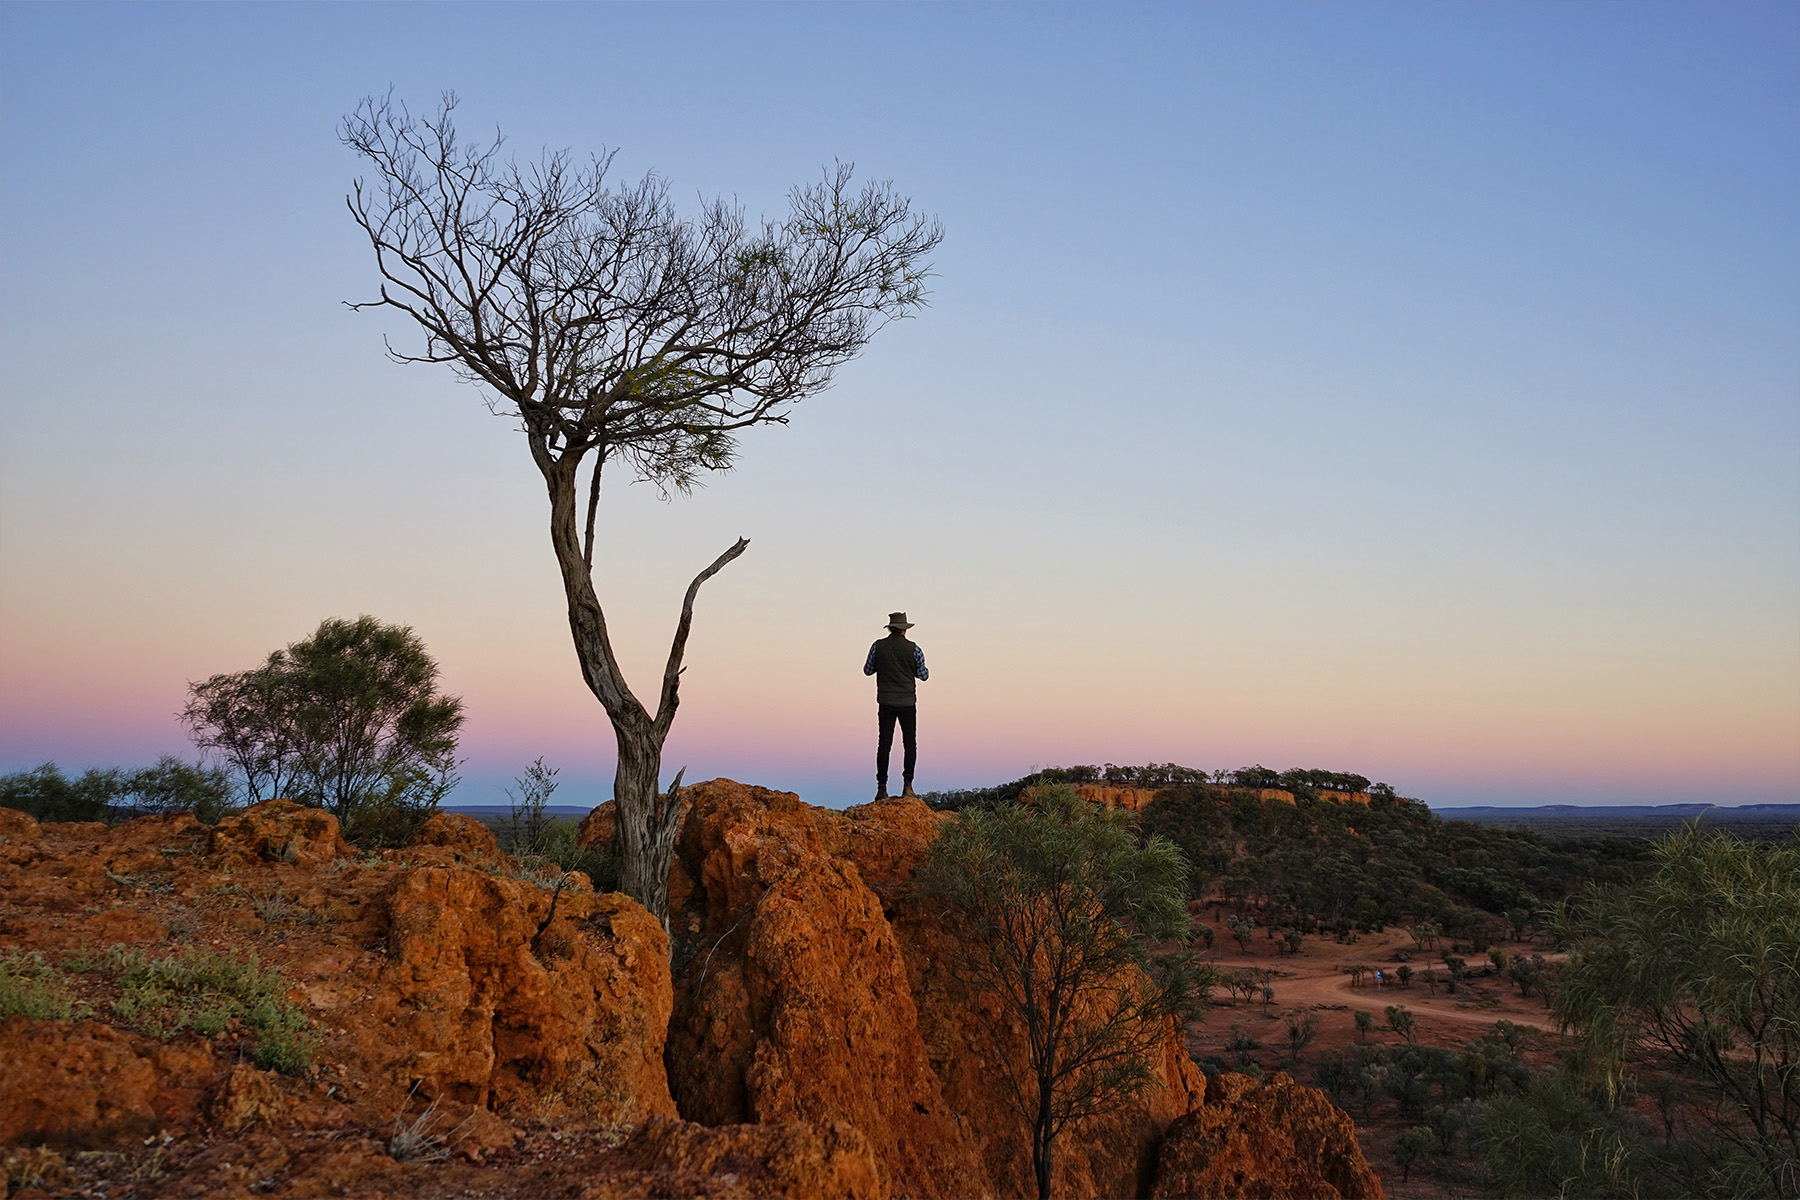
[83, 1085]
[674, 1158]
[467, 836]
[1274, 1140]
[813, 993]
[17, 830]
[280, 831]
[485, 1002]
[1131, 799]
[598, 826]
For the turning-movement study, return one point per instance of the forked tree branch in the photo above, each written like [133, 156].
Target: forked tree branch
[670, 700]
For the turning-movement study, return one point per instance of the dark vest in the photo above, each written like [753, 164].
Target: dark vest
[895, 682]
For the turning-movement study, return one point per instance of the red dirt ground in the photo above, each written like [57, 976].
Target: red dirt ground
[1314, 978]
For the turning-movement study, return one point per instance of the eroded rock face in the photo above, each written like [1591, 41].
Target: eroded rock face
[675, 1158]
[1269, 1140]
[815, 986]
[1133, 800]
[500, 1005]
[463, 835]
[429, 975]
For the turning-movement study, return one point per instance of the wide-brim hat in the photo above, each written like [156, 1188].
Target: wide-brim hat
[898, 621]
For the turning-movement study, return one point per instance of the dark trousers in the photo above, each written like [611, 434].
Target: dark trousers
[908, 716]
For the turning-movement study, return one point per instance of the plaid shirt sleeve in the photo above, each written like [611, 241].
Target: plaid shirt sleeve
[918, 662]
[869, 662]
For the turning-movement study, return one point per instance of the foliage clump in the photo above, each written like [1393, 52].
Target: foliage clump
[349, 719]
[30, 987]
[540, 839]
[110, 794]
[204, 990]
[1694, 970]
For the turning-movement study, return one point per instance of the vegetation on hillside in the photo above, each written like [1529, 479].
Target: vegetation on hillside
[1691, 974]
[1320, 866]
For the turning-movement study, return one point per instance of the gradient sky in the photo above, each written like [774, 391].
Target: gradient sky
[1412, 390]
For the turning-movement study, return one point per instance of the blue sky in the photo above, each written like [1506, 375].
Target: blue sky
[1412, 390]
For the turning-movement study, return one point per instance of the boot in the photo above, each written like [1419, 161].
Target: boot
[909, 793]
[881, 789]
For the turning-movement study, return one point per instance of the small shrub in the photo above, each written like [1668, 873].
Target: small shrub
[210, 1021]
[416, 1140]
[84, 960]
[283, 1040]
[31, 987]
[205, 989]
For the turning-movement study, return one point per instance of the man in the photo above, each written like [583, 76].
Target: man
[896, 664]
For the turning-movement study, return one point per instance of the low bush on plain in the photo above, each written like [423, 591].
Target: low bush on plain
[31, 987]
[204, 990]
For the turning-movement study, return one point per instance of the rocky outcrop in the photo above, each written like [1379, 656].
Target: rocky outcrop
[280, 831]
[1131, 799]
[798, 1006]
[815, 986]
[806, 1019]
[464, 836]
[1268, 1140]
[499, 1005]
[799, 1162]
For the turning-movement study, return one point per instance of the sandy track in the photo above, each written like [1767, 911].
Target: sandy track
[1311, 988]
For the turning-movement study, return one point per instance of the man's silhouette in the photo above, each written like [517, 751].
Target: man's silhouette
[897, 665]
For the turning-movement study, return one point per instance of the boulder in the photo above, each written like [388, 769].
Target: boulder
[489, 999]
[466, 837]
[792, 1161]
[86, 1086]
[1275, 1139]
[280, 831]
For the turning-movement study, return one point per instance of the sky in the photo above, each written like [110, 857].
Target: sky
[1411, 390]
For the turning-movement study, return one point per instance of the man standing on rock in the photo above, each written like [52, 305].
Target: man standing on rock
[897, 665]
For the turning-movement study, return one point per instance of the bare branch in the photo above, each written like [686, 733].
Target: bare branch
[670, 700]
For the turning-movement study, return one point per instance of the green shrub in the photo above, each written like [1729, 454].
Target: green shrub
[204, 990]
[43, 792]
[31, 987]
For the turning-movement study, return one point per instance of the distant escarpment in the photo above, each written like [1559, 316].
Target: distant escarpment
[259, 1008]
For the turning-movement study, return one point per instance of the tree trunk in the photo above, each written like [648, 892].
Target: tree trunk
[1041, 1139]
[646, 822]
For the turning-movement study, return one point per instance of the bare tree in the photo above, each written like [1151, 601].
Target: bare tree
[618, 332]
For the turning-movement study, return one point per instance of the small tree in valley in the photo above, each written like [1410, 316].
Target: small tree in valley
[1302, 1028]
[1409, 1146]
[1059, 903]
